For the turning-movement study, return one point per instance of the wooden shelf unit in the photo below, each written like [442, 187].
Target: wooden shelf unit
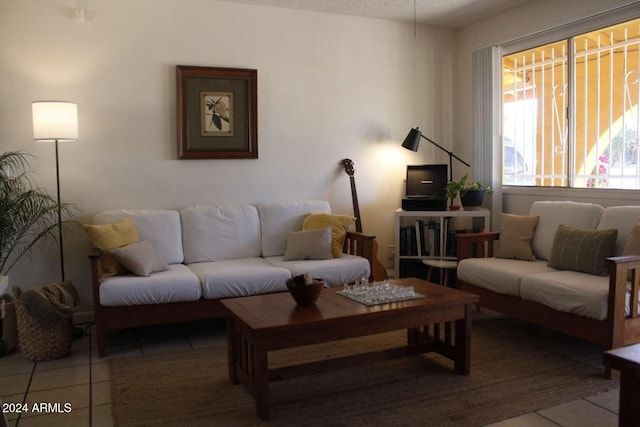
[441, 218]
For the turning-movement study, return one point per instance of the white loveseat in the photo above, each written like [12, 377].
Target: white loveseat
[591, 307]
[214, 252]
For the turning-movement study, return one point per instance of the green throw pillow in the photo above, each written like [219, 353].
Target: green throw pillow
[584, 250]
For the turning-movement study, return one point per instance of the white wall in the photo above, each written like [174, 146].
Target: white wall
[329, 87]
[527, 19]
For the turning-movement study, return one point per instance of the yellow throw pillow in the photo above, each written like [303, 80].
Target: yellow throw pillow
[106, 237]
[339, 224]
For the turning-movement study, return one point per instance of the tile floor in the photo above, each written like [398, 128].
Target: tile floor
[83, 381]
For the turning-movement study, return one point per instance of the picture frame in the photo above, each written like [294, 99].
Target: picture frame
[217, 112]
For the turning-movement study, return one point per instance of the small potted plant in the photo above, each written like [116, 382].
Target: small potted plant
[471, 193]
[452, 188]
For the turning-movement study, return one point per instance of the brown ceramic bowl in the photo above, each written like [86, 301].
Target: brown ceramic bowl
[308, 294]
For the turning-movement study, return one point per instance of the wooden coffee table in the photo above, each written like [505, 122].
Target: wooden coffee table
[259, 324]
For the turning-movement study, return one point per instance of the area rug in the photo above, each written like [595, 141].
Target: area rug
[515, 370]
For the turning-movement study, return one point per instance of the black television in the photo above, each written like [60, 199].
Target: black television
[427, 181]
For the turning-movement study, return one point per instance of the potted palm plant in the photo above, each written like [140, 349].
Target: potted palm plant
[471, 192]
[28, 214]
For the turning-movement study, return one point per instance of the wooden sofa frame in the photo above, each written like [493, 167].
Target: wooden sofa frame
[617, 330]
[110, 318]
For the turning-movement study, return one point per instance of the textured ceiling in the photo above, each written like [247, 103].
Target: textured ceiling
[442, 13]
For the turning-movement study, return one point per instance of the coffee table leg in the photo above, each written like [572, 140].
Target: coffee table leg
[248, 364]
[463, 342]
[232, 350]
[261, 380]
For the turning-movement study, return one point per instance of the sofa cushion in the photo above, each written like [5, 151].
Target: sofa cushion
[278, 219]
[216, 233]
[106, 237]
[583, 250]
[624, 218]
[339, 224]
[568, 291]
[178, 284]
[140, 258]
[239, 277]
[552, 214]
[497, 274]
[160, 227]
[309, 244]
[334, 271]
[516, 232]
[632, 247]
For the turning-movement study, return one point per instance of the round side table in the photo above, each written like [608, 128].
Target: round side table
[444, 265]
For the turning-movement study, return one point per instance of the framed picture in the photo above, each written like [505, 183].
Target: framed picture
[217, 113]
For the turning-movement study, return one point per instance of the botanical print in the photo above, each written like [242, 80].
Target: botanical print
[217, 113]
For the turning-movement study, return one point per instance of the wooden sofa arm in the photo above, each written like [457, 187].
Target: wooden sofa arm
[361, 245]
[477, 245]
[94, 263]
[619, 267]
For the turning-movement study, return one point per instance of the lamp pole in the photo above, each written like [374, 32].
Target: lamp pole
[59, 215]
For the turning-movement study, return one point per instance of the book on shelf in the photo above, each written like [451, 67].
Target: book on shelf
[420, 238]
[412, 240]
[425, 239]
[402, 250]
[432, 238]
[408, 244]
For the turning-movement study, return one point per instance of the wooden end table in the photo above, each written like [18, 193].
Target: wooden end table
[259, 324]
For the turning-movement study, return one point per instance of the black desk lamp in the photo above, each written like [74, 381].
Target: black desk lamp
[412, 141]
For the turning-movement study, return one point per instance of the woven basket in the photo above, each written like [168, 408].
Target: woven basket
[45, 328]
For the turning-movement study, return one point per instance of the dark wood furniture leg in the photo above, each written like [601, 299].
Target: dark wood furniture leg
[627, 361]
[232, 350]
[248, 365]
[261, 379]
[462, 352]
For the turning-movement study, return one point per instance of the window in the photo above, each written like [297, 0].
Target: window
[570, 111]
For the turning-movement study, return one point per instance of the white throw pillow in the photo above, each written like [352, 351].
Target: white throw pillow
[140, 258]
[309, 244]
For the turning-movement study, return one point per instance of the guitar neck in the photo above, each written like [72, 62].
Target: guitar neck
[356, 208]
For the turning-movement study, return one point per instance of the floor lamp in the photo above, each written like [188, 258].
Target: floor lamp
[56, 121]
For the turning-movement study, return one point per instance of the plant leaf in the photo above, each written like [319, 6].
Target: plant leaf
[216, 121]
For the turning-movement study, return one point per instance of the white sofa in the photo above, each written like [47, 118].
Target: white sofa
[214, 252]
[591, 307]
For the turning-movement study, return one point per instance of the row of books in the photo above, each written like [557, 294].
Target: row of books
[425, 239]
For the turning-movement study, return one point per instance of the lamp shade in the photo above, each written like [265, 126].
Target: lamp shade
[412, 141]
[55, 120]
